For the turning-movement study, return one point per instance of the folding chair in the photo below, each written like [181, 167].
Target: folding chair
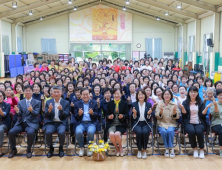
[185, 144]
[67, 142]
[211, 132]
[25, 146]
[132, 138]
[97, 133]
[126, 147]
[176, 135]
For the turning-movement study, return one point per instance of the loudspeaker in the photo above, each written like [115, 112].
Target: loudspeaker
[209, 42]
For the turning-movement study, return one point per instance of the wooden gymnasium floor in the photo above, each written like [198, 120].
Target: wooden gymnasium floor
[39, 161]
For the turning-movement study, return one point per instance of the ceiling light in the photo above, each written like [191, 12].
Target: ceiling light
[41, 18]
[70, 2]
[127, 1]
[30, 12]
[14, 4]
[157, 18]
[166, 13]
[124, 8]
[179, 5]
[75, 8]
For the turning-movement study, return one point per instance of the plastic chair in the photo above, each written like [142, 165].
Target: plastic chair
[185, 144]
[176, 134]
[211, 132]
[132, 139]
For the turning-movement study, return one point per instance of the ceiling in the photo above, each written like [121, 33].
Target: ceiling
[191, 9]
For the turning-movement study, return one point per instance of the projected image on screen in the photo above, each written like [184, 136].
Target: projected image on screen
[104, 24]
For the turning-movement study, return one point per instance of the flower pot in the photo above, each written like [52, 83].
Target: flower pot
[100, 156]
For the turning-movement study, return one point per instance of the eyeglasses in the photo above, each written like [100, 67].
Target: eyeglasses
[219, 96]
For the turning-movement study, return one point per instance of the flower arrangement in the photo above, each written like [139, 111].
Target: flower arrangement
[99, 151]
[102, 147]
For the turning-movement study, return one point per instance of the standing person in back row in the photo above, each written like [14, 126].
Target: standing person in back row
[27, 111]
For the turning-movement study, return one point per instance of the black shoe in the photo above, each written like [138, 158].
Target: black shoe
[12, 153]
[73, 140]
[50, 153]
[61, 152]
[29, 154]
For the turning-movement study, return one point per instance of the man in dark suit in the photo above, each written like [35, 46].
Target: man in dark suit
[27, 111]
[57, 111]
[86, 113]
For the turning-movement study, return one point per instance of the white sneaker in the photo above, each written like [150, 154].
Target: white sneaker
[172, 154]
[201, 156]
[81, 152]
[195, 153]
[89, 153]
[144, 155]
[166, 154]
[139, 155]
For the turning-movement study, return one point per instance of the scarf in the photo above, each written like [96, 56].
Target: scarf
[117, 104]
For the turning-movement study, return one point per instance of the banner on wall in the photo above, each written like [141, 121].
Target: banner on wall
[100, 23]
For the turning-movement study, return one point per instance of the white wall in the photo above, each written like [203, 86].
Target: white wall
[145, 28]
[6, 29]
[57, 28]
[190, 32]
[206, 28]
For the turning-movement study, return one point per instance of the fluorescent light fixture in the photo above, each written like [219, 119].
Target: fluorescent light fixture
[179, 5]
[41, 18]
[127, 1]
[70, 2]
[166, 13]
[157, 18]
[14, 4]
[124, 8]
[75, 8]
[30, 12]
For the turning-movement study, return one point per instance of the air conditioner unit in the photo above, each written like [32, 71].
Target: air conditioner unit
[168, 55]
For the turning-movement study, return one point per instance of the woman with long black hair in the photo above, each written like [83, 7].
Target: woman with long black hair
[194, 120]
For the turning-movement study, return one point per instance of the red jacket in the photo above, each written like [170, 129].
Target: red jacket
[116, 68]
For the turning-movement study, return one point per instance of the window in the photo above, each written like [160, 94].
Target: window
[154, 47]
[49, 45]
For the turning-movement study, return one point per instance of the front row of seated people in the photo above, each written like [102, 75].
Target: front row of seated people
[86, 112]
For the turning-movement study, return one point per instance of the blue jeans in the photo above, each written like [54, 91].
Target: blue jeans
[167, 136]
[85, 127]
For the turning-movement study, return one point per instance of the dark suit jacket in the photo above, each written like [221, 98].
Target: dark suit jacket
[93, 105]
[31, 117]
[123, 109]
[186, 117]
[6, 119]
[63, 115]
[147, 108]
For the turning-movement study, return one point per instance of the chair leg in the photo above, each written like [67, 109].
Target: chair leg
[67, 144]
[45, 143]
[206, 143]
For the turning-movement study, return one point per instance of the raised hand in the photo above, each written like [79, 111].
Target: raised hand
[12, 94]
[134, 112]
[72, 104]
[1, 112]
[91, 111]
[42, 97]
[16, 108]
[128, 98]
[209, 105]
[174, 110]
[50, 108]
[214, 101]
[150, 111]
[161, 109]
[80, 111]
[120, 116]
[30, 108]
[59, 107]
[68, 94]
[111, 116]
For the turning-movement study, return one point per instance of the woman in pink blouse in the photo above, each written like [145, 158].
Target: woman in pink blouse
[12, 100]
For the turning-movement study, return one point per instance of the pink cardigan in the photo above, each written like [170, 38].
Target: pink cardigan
[12, 101]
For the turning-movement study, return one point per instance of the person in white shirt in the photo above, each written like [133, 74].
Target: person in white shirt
[135, 67]
[57, 111]
[141, 122]
[146, 66]
[132, 96]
